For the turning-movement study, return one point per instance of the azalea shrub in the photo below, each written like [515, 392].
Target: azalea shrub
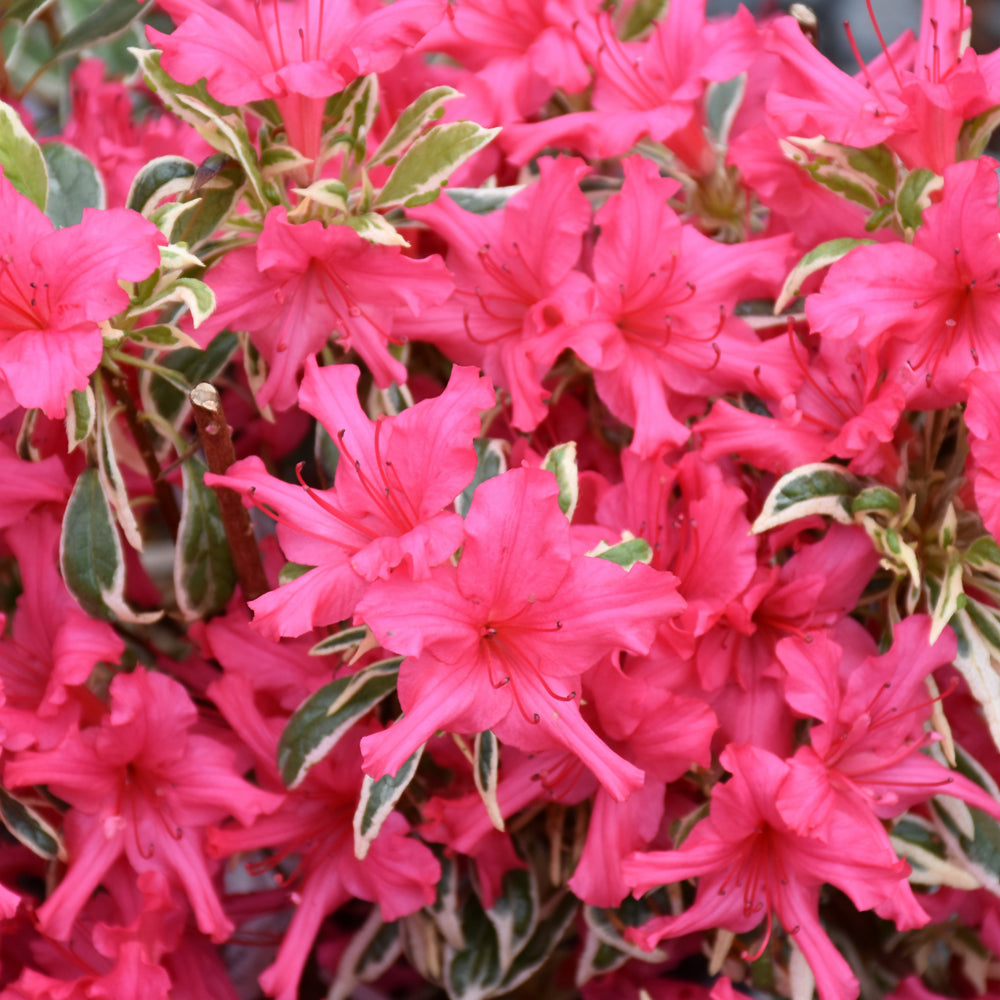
[497, 499]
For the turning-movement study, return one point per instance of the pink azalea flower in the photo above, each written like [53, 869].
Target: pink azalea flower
[864, 756]
[393, 481]
[399, 873]
[652, 87]
[55, 288]
[664, 313]
[52, 646]
[916, 97]
[844, 408]
[752, 866]
[299, 286]
[143, 785]
[982, 417]
[522, 50]
[501, 641]
[517, 286]
[298, 53]
[929, 311]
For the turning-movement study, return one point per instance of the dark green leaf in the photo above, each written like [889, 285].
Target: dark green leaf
[107, 22]
[74, 184]
[29, 829]
[378, 799]
[203, 569]
[323, 718]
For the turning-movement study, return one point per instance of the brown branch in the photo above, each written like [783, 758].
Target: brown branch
[214, 434]
[162, 489]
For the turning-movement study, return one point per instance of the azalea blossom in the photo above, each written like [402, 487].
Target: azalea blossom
[300, 286]
[56, 286]
[296, 52]
[928, 312]
[395, 478]
[143, 785]
[753, 867]
[501, 641]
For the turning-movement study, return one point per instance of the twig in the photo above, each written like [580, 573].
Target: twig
[213, 431]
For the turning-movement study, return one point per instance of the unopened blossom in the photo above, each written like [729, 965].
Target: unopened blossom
[502, 640]
[56, 286]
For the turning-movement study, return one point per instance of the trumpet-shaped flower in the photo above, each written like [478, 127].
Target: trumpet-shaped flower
[140, 784]
[56, 286]
[502, 640]
[753, 867]
[393, 481]
[301, 285]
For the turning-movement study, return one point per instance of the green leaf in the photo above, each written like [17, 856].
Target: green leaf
[377, 801]
[817, 488]
[192, 365]
[984, 555]
[515, 913]
[292, 571]
[482, 201]
[110, 474]
[473, 971]
[352, 111]
[19, 10]
[950, 596]
[430, 161]
[345, 639]
[190, 292]
[640, 16]
[21, 158]
[492, 461]
[376, 229]
[818, 258]
[858, 175]
[27, 827]
[722, 104]
[160, 179]
[978, 632]
[108, 21]
[427, 107]
[626, 553]
[976, 134]
[876, 162]
[876, 499]
[219, 183]
[90, 554]
[556, 918]
[561, 462]
[914, 196]
[323, 718]
[74, 184]
[204, 578]
[80, 416]
[371, 951]
[485, 772]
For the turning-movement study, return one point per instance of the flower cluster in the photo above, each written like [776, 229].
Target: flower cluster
[498, 499]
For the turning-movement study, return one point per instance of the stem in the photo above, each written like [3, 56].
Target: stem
[164, 492]
[214, 434]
